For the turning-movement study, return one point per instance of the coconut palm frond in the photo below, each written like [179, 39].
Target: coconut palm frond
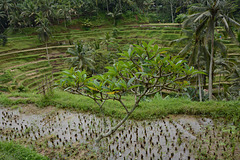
[180, 40]
[201, 27]
[221, 47]
[184, 51]
[81, 53]
[202, 16]
[232, 21]
[196, 9]
[189, 20]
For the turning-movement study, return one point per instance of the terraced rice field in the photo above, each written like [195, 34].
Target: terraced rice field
[174, 137]
[28, 65]
[63, 134]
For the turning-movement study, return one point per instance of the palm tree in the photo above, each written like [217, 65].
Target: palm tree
[80, 59]
[2, 14]
[65, 12]
[5, 5]
[195, 51]
[29, 12]
[3, 40]
[107, 39]
[44, 33]
[206, 18]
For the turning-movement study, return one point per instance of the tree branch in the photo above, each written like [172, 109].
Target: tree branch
[112, 130]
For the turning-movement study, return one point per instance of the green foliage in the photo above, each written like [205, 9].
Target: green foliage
[193, 94]
[115, 32]
[22, 88]
[153, 18]
[43, 30]
[139, 67]
[239, 37]
[3, 40]
[86, 24]
[4, 88]
[13, 151]
[80, 59]
[6, 77]
[143, 70]
[180, 18]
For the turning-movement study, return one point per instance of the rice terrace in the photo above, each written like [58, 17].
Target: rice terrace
[124, 80]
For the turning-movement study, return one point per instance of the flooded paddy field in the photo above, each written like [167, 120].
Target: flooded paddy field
[62, 134]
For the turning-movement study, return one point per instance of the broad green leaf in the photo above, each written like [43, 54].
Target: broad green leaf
[130, 81]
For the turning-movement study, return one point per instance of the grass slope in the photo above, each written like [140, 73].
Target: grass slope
[13, 151]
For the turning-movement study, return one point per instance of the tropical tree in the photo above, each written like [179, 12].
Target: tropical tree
[197, 53]
[29, 12]
[81, 56]
[142, 71]
[206, 17]
[5, 5]
[148, 4]
[115, 15]
[107, 39]
[194, 51]
[65, 11]
[3, 40]
[44, 32]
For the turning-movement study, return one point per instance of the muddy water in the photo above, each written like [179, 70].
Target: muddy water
[175, 137]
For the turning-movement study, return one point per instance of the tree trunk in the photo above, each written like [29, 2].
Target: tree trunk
[107, 6]
[114, 129]
[199, 82]
[219, 86]
[200, 89]
[120, 4]
[65, 21]
[210, 82]
[172, 12]
[47, 54]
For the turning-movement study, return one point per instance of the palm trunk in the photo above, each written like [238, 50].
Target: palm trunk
[210, 82]
[172, 12]
[200, 89]
[47, 54]
[107, 6]
[219, 86]
[120, 4]
[65, 21]
[199, 82]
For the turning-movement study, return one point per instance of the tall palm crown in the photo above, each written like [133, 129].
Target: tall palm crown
[43, 30]
[205, 18]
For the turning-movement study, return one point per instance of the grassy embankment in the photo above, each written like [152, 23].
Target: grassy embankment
[150, 108]
[13, 151]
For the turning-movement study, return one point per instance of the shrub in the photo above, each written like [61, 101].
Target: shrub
[3, 40]
[180, 18]
[87, 25]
